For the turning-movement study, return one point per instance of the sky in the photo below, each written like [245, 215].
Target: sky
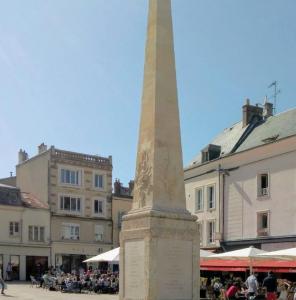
[71, 72]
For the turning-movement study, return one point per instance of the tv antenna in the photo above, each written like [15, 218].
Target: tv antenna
[275, 93]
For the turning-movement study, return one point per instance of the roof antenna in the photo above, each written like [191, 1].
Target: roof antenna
[274, 96]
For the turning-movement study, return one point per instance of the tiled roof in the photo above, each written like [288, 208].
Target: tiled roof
[30, 201]
[274, 128]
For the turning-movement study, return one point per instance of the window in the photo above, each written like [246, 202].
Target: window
[14, 228]
[99, 181]
[119, 218]
[99, 233]
[36, 233]
[72, 177]
[70, 204]
[262, 224]
[70, 231]
[211, 197]
[263, 185]
[199, 228]
[198, 200]
[211, 232]
[99, 207]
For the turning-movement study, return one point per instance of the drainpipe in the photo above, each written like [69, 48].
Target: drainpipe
[223, 208]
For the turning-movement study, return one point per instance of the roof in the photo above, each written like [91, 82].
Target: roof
[238, 138]
[227, 140]
[274, 128]
[30, 201]
[5, 186]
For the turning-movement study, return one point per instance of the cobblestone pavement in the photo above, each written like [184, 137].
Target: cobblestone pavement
[24, 291]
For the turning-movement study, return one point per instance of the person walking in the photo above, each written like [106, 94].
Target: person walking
[252, 285]
[2, 283]
[270, 284]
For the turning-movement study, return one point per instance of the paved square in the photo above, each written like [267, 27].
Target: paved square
[24, 291]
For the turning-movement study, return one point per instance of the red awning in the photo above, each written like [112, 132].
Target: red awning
[223, 265]
[279, 266]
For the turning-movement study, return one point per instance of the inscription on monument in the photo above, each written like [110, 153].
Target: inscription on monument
[174, 269]
[134, 270]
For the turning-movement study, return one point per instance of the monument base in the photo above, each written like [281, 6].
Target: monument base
[159, 256]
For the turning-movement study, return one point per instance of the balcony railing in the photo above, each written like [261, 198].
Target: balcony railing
[81, 157]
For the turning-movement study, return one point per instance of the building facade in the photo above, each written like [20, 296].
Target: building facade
[253, 178]
[122, 199]
[24, 234]
[78, 190]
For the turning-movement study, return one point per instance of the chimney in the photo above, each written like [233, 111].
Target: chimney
[42, 148]
[23, 156]
[117, 187]
[267, 109]
[251, 113]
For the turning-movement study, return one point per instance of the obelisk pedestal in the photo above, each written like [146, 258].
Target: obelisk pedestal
[159, 253]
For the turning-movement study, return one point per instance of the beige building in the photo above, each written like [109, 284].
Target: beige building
[78, 190]
[24, 234]
[121, 204]
[242, 185]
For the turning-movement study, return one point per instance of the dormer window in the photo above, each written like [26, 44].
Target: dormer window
[211, 152]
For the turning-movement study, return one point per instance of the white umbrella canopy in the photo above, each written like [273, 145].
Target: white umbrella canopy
[289, 254]
[204, 253]
[249, 254]
[110, 256]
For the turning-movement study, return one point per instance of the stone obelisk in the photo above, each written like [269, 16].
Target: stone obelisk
[159, 239]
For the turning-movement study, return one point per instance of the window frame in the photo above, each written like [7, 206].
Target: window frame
[196, 207]
[77, 204]
[72, 237]
[12, 228]
[34, 233]
[101, 239]
[214, 196]
[260, 193]
[104, 202]
[120, 215]
[103, 181]
[78, 171]
[213, 232]
[261, 232]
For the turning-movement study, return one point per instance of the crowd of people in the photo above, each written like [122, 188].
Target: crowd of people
[270, 288]
[76, 282]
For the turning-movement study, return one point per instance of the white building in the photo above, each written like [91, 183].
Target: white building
[242, 186]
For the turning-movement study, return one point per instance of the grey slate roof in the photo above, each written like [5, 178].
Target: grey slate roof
[227, 140]
[274, 128]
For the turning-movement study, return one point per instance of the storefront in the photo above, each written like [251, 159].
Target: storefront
[69, 263]
[20, 261]
[36, 265]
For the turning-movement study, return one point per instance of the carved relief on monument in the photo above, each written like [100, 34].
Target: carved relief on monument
[143, 182]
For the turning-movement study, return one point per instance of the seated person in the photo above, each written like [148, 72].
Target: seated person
[232, 291]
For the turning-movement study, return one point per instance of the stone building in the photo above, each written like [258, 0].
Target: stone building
[78, 189]
[24, 234]
[242, 185]
[122, 199]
